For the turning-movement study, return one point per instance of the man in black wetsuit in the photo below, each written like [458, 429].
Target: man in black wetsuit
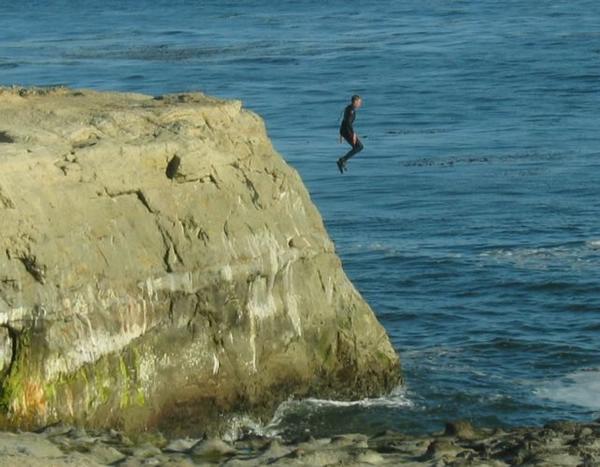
[347, 132]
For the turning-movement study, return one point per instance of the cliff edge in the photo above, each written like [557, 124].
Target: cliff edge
[161, 266]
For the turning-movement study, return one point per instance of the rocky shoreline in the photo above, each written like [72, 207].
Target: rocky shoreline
[560, 443]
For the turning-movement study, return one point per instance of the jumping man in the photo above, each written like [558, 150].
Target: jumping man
[347, 132]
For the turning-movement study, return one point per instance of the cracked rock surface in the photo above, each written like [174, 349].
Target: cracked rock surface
[161, 266]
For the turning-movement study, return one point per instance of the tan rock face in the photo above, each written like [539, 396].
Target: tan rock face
[161, 263]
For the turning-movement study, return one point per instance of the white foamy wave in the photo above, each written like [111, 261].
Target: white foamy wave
[239, 426]
[576, 256]
[408, 249]
[580, 388]
[396, 399]
[595, 244]
[374, 247]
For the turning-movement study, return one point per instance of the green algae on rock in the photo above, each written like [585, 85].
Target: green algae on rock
[161, 266]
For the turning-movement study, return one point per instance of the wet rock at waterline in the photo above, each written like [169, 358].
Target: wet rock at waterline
[161, 266]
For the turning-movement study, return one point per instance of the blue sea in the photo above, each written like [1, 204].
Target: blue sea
[470, 222]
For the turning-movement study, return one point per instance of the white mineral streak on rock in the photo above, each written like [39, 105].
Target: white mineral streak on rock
[14, 315]
[215, 364]
[227, 273]
[291, 305]
[174, 282]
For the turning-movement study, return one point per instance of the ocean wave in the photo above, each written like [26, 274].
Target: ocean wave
[396, 399]
[594, 244]
[407, 251]
[168, 52]
[449, 161]
[444, 162]
[580, 388]
[266, 60]
[240, 426]
[423, 131]
[575, 255]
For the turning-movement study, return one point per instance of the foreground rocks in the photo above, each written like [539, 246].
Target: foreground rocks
[161, 266]
[556, 444]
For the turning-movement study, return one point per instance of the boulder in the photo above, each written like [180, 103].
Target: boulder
[161, 266]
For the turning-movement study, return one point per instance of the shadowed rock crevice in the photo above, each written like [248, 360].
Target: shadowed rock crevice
[6, 138]
[173, 167]
[37, 271]
[5, 201]
[139, 194]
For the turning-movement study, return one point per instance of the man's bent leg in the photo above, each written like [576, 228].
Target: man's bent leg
[356, 148]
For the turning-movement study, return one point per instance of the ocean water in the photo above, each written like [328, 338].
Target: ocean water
[470, 222]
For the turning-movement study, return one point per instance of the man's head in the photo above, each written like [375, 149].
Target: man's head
[356, 101]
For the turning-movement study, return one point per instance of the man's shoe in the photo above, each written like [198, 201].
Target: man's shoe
[341, 165]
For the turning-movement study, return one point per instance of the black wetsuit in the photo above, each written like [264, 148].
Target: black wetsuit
[347, 132]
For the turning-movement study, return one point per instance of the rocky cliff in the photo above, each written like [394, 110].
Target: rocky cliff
[161, 266]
